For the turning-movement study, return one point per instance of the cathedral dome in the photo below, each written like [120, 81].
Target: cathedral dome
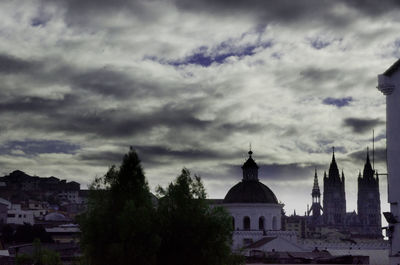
[250, 192]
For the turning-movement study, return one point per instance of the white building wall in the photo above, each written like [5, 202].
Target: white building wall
[390, 86]
[16, 215]
[255, 210]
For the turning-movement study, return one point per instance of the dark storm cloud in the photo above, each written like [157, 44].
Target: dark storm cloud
[359, 125]
[320, 75]
[359, 157]
[37, 105]
[13, 65]
[264, 12]
[197, 154]
[153, 154]
[99, 157]
[338, 102]
[106, 82]
[119, 122]
[227, 128]
[35, 147]
[281, 172]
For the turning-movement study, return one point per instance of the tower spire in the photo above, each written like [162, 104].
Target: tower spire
[315, 186]
[333, 168]
[368, 172]
[373, 150]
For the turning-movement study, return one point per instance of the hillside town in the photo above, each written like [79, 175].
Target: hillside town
[49, 208]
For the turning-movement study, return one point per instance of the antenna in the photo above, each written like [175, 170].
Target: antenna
[373, 150]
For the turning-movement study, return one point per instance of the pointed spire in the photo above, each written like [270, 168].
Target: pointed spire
[315, 186]
[315, 191]
[333, 168]
[368, 171]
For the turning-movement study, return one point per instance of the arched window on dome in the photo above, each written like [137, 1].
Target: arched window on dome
[274, 223]
[246, 223]
[233, 222]
[261, 223]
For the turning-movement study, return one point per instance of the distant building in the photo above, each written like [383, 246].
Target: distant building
[365, 223]
[369, 202]
[254, 208]
[334, 202]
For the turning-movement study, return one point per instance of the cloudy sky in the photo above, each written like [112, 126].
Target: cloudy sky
[191, 84]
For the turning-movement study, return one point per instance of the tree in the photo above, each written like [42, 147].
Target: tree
[40, 256]
[119, 226]
[192, 232]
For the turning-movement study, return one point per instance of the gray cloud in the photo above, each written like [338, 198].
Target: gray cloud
[359, 157]
[35, 147]
[13, 65]
[98, 76]
[38, 105]
[320, 75]
[359, 125]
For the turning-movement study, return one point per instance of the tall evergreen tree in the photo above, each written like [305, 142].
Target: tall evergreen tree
[192, 232]
[119, 226]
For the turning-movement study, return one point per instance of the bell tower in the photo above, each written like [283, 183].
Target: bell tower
[316, 200]
[334, 200]
[368, 201]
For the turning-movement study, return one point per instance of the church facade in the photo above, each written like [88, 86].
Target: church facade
[254, 209]
[332, 213]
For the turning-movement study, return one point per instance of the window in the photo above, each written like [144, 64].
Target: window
[246, 223]
[233, 223]
[261, 223]
[11, 215]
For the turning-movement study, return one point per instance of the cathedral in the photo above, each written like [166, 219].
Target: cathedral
[332, 213]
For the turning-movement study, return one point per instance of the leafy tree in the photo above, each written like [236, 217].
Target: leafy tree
[119, 226]
[7, 233]
[192, 232]
[26, 233]
[40, 256]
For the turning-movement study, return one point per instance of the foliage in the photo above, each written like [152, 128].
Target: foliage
[119, 226]
[7, 233]
[192, 232]
[40, 256]
[26, 233]
[123, 226]
[23, 259]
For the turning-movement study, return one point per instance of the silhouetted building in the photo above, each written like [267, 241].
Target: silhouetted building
[368, 202]
[334, 201]
[365, 223]
[316, 207]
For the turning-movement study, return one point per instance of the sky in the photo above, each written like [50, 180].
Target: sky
[194, 83]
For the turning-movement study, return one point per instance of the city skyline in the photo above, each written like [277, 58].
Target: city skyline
[191, 84]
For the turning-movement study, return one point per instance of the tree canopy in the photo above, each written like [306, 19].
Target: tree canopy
[192, 232]
[119, 226]
[123, 226]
